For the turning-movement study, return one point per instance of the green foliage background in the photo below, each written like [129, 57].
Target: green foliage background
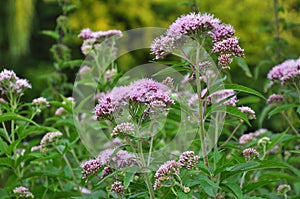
[24, 49]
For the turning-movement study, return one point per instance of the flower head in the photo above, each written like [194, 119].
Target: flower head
[188, 160]
[288, 70]
[49, 137]
[90, 167]
[226, 96]
[118, 188]
[250, 153]
[41, 101]
[9, 82]
[165, 172]
[248, 111]
[123, 128]
[283, 189]
[23, 192]
[275, 99]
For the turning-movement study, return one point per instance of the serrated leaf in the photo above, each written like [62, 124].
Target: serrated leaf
[243, 65]
[245, 89]
[281, 108]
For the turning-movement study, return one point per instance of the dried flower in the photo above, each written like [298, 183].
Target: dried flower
[123, 129]
[283, 189]
[248, 111]
[165, 172]
[188, 160]
[41, 101]
[23, 192]
[250, 153]
[118, 188]
[90, 167]
[275, 99]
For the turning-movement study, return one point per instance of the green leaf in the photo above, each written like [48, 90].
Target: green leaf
[3, 146]
[243, 65]
[276, 140]
[183, 195]
[8, 162]
[50, 33]
[231, 110]
[234, 188]
[128, 178]
[13, 116]
[281, 108]
[298, 110]
[295, 151]
[245, 89]
[208, 186]
[254, 186]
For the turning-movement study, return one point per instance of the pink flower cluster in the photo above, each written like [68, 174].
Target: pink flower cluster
[110, 160]
[275, 99]
[198, 25]
[92, 39]
[142, 91]
[122, 129]
[118, 188]
[226, 97]
[9, 82]
[188, 159]
[41, 101]
[248, 111]
[288, 70]
[246, 138]
[49, 137]
[165, 172]
[250, 153]
[23, 192]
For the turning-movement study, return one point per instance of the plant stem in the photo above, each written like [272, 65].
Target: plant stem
[201, 129]
[232, 133]
[277, 32]
[243, 179]
[147, 179]
[290, 123]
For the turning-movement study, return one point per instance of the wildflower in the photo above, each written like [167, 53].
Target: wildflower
[120, 159]
[229, 46]
[224, 60]
[287, 70]
[165, 172]
[246, 138]
[188, 159]
[85, 190]
[275, 99]
[162, 46]
[222, 31]
[186, 189]
[41, 101]
[110, 74]
[60, 111]
[248, 111]
[49, 137]
[226, 96]
[36, 148]
[118, 188]
[283, 189]
[123, 129]
[141, 91]
[106, 171]
[90, 167]
[85, 33]
[250, 153]
[84, 70]
[23, 192]
[9, 82]
[169, 81]
[259, 132]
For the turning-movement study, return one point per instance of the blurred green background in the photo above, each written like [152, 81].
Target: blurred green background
[25, 50]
